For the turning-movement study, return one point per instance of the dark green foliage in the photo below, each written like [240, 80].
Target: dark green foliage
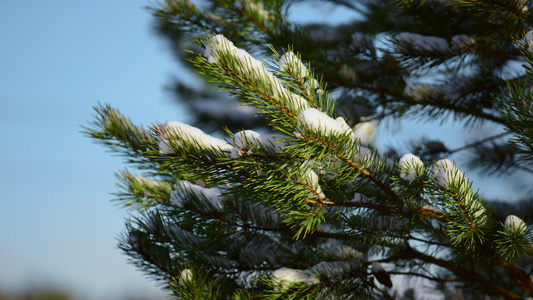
[319, 205]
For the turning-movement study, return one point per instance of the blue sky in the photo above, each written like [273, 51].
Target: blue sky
[58, 59]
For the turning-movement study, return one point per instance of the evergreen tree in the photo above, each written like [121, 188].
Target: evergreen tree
[306, 206]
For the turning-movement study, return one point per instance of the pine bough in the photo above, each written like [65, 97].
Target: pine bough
[308, 212]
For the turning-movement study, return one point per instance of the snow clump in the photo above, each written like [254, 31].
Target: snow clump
[311, 179]
[254, 70]
[256, 8]
[286, 276]
[447, 174]
[319, 122]
[247, 139]
[186, 275]
[529, 40]
[449, 177]
[219, 46]
[515, 224]
[364, 131]
[311, 84]
[290, 63]
[410, 166]
[181, 133]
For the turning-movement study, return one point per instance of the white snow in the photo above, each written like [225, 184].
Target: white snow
[449, 177]
[284, 276]
[290, 63]
[251, 68]
[515, 224]
[298, 102]
[243, 139]
[311, 179]
[182, 187]
[318, 122]
[364, 131]
[446, 173]
[479, 212]
[522, 5]
[186, 275]
[246, 138]
[311, 84]
[250, 6]
[529, 40]
[182, 133]
[450, 90]
[217, 44]
[409, 164]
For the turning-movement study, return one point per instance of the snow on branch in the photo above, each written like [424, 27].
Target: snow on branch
[175, 134]
[446, 173]
[311, 179]
[290, 63]
[247, 140]
[448, 176]
[529, 40]
[256, 9]
[221, 51]
[411, 167]
[515, 224]
[284, 277]
[316, 121]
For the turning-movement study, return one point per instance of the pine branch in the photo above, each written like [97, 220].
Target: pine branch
[307, 211]
[410, 253]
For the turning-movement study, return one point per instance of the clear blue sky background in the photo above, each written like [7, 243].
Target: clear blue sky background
[58, 59]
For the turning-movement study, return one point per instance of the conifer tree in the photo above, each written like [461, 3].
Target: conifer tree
[305, 206]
